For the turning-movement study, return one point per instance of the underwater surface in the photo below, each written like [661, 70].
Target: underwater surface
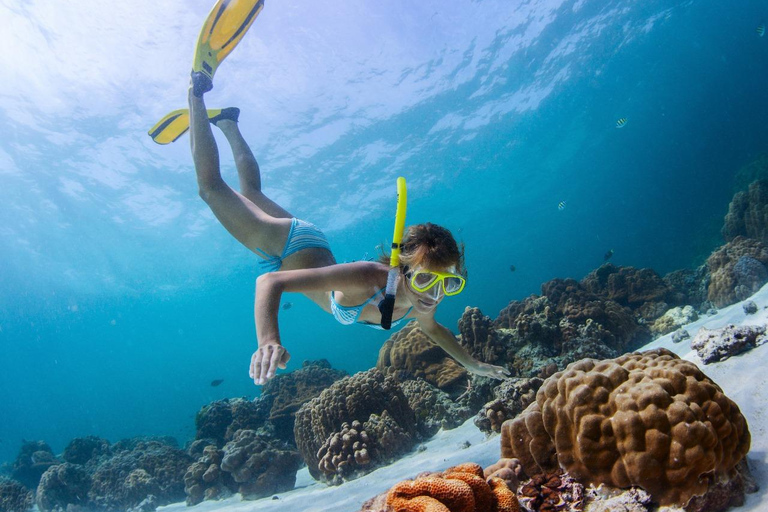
[548, 135]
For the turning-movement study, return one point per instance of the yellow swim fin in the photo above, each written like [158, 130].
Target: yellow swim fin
[175, 124]
[225, 26]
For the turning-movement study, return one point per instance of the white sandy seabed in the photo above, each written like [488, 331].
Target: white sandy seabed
[743, 378]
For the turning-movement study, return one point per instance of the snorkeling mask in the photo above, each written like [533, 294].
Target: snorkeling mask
[425, 281]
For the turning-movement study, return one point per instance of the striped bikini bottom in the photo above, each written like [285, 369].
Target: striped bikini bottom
[303, 235]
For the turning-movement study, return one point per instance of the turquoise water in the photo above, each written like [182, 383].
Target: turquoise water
[122, 298]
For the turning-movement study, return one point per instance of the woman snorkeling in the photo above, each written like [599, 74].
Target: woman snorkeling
[298, 257]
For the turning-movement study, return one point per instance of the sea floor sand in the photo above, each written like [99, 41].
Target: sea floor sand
[744, 378]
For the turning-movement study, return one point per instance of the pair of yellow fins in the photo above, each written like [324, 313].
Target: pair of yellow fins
[223, 29]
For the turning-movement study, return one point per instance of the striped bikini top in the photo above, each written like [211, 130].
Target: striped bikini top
[348, 315]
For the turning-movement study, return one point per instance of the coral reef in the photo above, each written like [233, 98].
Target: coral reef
[738, 269]
[433, 408]
[204, 479]
[651, 420]
[129, 476]
[292, 390]
[553, 492]
[34, 458]
[221, 419]
[566, 324]
[479, 337]
[82, 450]
[748, 214]
[411, 352]
[259, 464]
[688, 287]
[371, 398]
[63, 485]
[628, 286]
[460, 488]
[511, 398]
[714, 345]
[14, 497]
[673, 319]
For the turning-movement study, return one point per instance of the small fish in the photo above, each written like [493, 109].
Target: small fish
[621, 122]
[287, 305]
[216, 382]
[608, 255]
[512, 268]
[760, 29]
[561, 205]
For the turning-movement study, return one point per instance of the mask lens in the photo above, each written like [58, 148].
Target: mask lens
[452, 284]
[423, 279]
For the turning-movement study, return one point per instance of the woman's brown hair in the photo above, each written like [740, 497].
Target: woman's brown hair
[431, 246]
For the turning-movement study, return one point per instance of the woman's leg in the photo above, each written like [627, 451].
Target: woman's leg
[248, 170]
[249, 224]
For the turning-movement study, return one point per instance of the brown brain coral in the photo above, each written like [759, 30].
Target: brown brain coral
[461, 488]
[412, 351]
[647, 419]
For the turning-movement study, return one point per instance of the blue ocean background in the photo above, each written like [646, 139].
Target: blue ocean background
[121, 298]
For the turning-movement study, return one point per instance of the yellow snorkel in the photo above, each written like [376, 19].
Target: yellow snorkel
[387, 304]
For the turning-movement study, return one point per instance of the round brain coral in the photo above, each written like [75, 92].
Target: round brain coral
[647, 419]
[461, 488]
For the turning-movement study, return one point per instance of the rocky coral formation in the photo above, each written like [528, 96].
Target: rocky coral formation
[82, 450]
[344, 452]
[509, 470]
[34, 458]
[221, 419]
[651, 420]
[412, 353]
[737, 270]
[688, 287]
[639, 289]
[479, 337]
[713, 345]
[460, 488]
[553, 492]
[292, 390]
[674, 319]
[204, 479]
[748, 214]
[511, 398]
[259, 464]
[375, 401]
[129, 476]
[433, 408]
[14, 497]
[63, 485]
[566, 324]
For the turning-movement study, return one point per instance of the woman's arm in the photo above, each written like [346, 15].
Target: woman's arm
[447, 341]
[270, 354]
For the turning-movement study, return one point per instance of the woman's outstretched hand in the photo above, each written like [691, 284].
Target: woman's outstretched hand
[489, 370]
[266, 360]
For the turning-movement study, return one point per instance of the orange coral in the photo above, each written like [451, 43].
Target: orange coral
[459, 489]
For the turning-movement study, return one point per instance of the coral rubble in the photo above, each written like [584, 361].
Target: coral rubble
[714, 345]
